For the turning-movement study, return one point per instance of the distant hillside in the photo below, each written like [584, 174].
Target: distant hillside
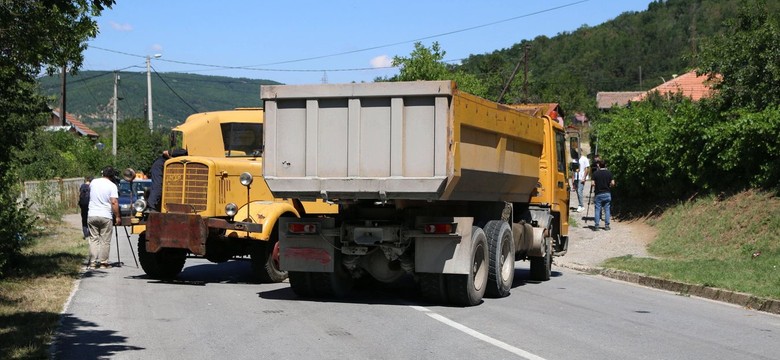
[635, 51]
[174, 95]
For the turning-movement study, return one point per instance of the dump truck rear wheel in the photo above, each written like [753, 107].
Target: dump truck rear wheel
[433, 287]
[336, 284]
[468, 289]
[300, 282]
[541, 266]
[501, 247]
[164, 264]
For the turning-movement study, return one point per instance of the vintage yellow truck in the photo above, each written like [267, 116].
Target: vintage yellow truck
[431, 182]
[215, 203]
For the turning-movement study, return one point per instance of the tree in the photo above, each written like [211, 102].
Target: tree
[34, 34]
[744, 62]
[426, 64]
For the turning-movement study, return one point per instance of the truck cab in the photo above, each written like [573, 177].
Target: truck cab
[215, 203]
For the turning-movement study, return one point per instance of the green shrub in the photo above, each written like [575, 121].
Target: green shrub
[17, 222]
[671, 148]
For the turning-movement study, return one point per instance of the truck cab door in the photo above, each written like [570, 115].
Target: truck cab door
[560, 172]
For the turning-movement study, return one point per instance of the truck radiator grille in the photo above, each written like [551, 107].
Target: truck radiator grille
[187, 184]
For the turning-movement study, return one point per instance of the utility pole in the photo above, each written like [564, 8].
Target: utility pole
[63, 100]
[116, 104]
[525, 70]
[149, 89]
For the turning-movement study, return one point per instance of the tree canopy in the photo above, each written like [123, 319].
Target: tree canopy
[34, 35]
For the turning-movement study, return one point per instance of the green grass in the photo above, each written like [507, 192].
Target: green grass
[33, 293]
[731, 243]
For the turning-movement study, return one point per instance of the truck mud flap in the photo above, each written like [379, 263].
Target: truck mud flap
[307, 253]
[445, 254]
[176, 231]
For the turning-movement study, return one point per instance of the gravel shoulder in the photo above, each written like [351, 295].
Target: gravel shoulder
[588, 248]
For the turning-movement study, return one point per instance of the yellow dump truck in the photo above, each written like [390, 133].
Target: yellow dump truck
[215, 203]
[431, 182]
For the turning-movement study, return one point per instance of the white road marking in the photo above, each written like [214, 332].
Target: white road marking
[477, 334]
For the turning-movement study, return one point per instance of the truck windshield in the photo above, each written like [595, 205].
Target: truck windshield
[242, 139]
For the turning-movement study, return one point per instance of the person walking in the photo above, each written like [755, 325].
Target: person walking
[603, 182]
[580, 176]
[103, 215]
[84, 205]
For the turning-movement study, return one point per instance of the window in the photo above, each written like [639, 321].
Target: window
[242, 139]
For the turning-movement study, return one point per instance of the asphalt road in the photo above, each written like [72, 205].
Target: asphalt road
[213, 311]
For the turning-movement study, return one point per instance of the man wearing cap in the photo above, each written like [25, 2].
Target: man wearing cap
[103, 213]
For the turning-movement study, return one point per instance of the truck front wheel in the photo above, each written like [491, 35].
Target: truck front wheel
[165, 264]
[468, 289]
[265, 266]
[502, 255]
[541, 266]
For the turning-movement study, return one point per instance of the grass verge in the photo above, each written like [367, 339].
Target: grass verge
[731, 243]
[34, 291]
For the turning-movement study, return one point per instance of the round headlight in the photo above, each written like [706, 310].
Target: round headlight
[246, 179]
[231, 209]
[139, 205]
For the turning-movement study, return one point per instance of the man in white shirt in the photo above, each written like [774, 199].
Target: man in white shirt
[103, 213]
[580, 177]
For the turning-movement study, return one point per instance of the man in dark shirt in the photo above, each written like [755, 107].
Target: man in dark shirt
[603, 181]
[156, 174]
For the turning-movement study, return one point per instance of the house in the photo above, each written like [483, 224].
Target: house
[70, 124]
[553, 110]
[689, 84]
[607, 99]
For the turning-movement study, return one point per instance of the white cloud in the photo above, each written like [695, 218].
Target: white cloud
[121, 27]
[157, 47]
[381, 61]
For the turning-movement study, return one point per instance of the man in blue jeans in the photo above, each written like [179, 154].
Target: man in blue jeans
[602, 182]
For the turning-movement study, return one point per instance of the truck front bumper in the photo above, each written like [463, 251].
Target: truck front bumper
[187, 231]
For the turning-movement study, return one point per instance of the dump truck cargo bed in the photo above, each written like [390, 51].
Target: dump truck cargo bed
[397, 140]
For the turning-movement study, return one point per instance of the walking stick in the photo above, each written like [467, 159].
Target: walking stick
[590, 196]
[116, 234]
[131, 246]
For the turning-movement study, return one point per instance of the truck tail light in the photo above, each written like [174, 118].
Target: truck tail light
[303, 228]
[447, 228]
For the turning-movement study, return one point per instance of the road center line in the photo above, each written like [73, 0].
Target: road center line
[477, 334]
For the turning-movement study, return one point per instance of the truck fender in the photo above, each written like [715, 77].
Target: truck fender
[543, 220]
[266, 213]
[523, 234]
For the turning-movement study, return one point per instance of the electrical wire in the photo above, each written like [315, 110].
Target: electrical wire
[173, 91]
[257, 67]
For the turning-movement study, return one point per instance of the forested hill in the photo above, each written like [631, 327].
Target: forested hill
[175, 95]
[635, 51]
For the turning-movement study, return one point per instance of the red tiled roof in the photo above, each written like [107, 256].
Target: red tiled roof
[608, 99]
[79, 126]
[689, 84]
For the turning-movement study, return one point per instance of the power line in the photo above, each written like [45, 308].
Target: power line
[427, 37]
[257, 67]
[171, 89]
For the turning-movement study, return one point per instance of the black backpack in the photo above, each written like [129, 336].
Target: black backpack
[84, 196]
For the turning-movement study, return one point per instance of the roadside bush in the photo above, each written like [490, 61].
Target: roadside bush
[671, 148]
[17, 222]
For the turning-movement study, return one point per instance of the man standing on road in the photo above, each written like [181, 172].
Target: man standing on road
[603, 181]
[103, 214]
[580, 176]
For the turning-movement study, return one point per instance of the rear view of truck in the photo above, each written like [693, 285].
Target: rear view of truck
[431, 182]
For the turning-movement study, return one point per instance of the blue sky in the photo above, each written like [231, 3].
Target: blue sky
[302, 42]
